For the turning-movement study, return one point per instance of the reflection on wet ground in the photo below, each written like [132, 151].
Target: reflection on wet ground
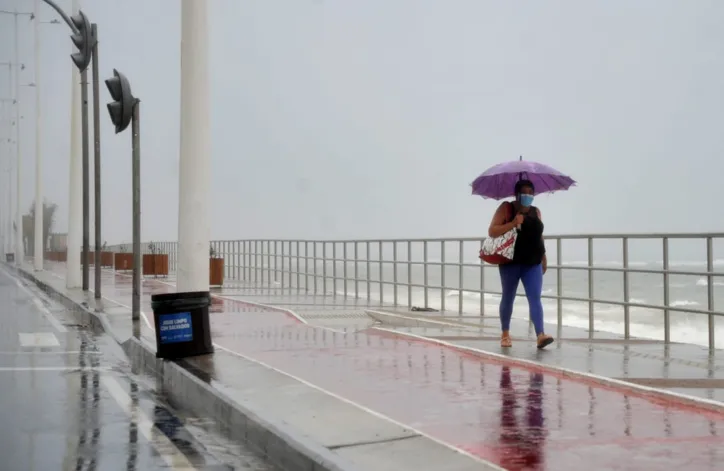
[516, 417]
[69, 401]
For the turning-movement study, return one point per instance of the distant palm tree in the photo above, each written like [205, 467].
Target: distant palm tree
[49, 210]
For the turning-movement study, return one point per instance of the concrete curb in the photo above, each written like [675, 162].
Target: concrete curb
[283, 446]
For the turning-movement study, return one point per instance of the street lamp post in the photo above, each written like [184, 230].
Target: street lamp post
[18, 210]
[7, 226]
[38, 251]
[85, 39]
[6, 111]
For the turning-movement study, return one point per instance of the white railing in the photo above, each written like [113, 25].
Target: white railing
[445, 274]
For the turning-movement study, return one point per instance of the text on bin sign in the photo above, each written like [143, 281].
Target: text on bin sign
[175, 327]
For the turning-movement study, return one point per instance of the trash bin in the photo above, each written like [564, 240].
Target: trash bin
[10, 257]
[182, 324]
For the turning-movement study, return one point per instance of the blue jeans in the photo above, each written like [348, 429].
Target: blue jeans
[532, 276]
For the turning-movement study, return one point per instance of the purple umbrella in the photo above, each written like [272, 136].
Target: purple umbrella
[498, 182]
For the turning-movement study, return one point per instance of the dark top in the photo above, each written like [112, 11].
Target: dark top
[529, 246]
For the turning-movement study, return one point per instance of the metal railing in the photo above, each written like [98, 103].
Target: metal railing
[405, 272]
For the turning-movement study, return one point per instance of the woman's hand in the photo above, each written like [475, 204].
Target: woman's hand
[545, 264]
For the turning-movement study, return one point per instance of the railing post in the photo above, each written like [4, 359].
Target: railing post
[260, 262]
[482, 288]
[382, 276]
[344, 267]
[282, 272]
[356, 269]
[394, 272]
[314, 266]
[334, 268]
[710, 292]
[409, 274]
[461, 285]
[268, 262]
[255, 261]
[244, 261]
[324, 268]
[442, 275]
[306, 266]
[626, 292]
[590, 287]
[297, 266]
[424, 270]
[367, 272]
[237, 251]
[290, 257]
[667, 319]
[559, 284]
[276, 266]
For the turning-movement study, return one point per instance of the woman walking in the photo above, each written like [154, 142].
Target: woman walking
[529, 259]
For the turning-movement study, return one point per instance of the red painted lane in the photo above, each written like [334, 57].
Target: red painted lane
[510, 415]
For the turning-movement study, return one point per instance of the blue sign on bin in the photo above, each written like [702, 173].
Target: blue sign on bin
[175, 328]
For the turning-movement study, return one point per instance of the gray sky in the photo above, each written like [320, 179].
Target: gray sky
[358, 119]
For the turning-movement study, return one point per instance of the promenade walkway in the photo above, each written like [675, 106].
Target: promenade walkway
[391, 389]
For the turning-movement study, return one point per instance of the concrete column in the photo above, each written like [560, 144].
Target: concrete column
[195, 159]
[75, 187]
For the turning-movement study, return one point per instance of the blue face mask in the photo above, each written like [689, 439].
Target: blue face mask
[525, 200]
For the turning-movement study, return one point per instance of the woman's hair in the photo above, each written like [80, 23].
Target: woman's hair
[521, 183]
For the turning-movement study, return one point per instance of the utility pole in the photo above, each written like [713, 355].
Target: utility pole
[75, 192]
[17, 220]
[38, 248]
[83, 39]
[96, 161]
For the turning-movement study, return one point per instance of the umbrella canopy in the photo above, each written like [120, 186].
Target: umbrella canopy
[498, 182]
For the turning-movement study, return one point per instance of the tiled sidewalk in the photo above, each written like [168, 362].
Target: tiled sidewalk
[494, 409]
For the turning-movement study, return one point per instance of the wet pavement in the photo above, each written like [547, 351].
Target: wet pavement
[514, 416]
[69, 400]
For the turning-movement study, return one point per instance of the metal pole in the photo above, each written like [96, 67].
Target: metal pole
[136, 169]
[18, 211]
[9, 219]
[5, 117]
[86, 176]
[75, 192]
[710, 293]
[667, 313]
[424, 250]
[461, 275]
[97, 162]
[38, 245]
[559, 285]
[626, 292]
[590, 288]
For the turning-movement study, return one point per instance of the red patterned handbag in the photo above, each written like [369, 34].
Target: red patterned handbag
[500, 250]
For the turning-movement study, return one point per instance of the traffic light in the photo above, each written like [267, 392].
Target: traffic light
[83, 40]
[121, 109]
